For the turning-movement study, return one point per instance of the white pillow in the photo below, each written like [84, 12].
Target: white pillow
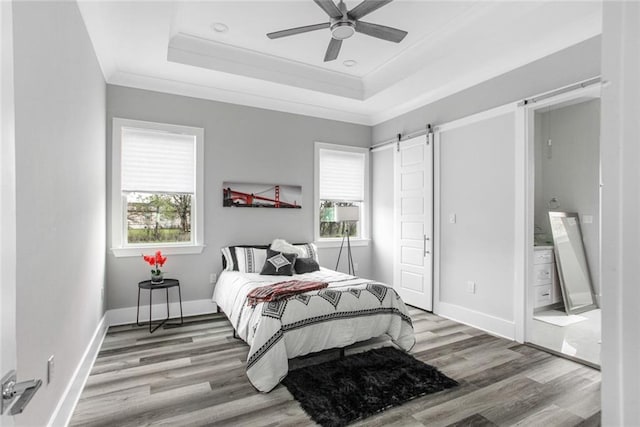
[281, 245]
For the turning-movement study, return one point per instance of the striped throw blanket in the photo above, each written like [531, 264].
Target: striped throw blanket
[282, 290]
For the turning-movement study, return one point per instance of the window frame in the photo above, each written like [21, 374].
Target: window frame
[119, 245]
[365, 211]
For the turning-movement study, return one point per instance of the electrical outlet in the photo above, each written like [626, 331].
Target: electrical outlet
[355, 266]
[471, 287]
[212, 278]
[452, 218]
[50, 369]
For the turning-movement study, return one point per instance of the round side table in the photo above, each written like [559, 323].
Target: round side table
[166, 284]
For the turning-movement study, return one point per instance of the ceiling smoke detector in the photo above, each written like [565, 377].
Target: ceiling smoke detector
[220, 27]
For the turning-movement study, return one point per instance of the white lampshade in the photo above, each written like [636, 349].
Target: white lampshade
[346, 213]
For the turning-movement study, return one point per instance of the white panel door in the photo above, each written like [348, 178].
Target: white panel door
[413, 207]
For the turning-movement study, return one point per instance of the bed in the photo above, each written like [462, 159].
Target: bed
[350, 309]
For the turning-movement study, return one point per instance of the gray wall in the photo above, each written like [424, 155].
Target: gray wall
[572, 174]
[477, 185]
[382, 201]
[241, 144]
[573, 64]
[568, 66]
[60, 172]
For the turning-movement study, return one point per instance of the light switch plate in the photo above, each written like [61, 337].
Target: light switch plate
[471, 287]
[50, 368]
[587, 219]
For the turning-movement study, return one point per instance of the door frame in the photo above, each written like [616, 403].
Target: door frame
[525, 195]
[8, 353]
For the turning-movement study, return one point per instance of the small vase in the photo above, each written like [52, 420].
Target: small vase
[157, 279]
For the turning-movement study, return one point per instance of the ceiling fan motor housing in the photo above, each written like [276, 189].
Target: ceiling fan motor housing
[342, 28]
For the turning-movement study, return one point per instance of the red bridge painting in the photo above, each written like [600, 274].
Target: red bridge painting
[261, 195]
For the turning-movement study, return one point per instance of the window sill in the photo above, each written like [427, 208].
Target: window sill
[131, 251]
[335, 243]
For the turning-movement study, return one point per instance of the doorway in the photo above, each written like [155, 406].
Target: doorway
[564, 146]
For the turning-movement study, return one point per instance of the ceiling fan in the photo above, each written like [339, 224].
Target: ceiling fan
[344, 23]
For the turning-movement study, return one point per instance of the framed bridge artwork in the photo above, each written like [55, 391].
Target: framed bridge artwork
[249, 195]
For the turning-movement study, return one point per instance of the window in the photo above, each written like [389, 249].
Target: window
[342, 177]
[157, 187]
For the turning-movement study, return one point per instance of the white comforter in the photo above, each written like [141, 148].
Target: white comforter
[351, 309]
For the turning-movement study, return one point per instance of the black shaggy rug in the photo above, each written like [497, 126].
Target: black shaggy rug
[338, 392]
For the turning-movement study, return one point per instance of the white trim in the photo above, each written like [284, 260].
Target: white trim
[365, 226]
[436, 222]
[132, 251]
[336, 243]
[127, 315]
[525, 193]
[252, 100]
[118, 224]
[121, 316]
[494, 325]
[67, 404]
[195, 51]
[523, 241]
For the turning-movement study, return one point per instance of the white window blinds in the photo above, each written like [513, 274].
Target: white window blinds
[158, 162]
[341, 175]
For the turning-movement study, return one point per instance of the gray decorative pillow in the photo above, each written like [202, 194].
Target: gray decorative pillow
[306, 265]
[279, 264]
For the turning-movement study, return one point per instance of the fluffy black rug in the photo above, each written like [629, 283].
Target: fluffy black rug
[338, 392]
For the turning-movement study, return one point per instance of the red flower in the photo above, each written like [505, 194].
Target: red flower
[156, 260]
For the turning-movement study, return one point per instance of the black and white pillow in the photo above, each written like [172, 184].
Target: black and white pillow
[249, 258]
[279, 264]
[245, 259]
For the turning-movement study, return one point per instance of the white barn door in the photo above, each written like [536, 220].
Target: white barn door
[413, 207]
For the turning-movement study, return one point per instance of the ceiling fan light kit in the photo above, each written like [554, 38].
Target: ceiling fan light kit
[342, 30]
[344, 24]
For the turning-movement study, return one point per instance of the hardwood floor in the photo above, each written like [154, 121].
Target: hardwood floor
[195, 375]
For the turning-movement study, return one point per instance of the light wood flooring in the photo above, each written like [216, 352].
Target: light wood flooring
[195, 375]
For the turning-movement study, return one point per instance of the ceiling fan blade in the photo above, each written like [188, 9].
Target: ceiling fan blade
[366, 7]
[330, 8]
[297, 30]
[333, 50]
[380, 31]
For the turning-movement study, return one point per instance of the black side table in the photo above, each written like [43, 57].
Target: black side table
[168, 283]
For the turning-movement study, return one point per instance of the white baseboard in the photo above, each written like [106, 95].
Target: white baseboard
[127, 315]
[120, 316]
[67, 403]
[486, 322]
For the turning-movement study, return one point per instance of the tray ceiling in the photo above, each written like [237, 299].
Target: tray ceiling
[173, 47]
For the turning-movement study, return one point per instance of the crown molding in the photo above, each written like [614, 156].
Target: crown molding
[198, 52]
[212, 93]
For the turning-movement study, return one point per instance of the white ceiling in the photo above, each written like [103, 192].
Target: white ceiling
[172, 47]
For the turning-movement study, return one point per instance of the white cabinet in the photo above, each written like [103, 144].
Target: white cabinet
[545, 286]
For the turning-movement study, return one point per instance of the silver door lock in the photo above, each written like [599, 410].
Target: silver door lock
[11, 389]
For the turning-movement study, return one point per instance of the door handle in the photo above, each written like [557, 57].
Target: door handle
[12, 389]
[424, 248]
